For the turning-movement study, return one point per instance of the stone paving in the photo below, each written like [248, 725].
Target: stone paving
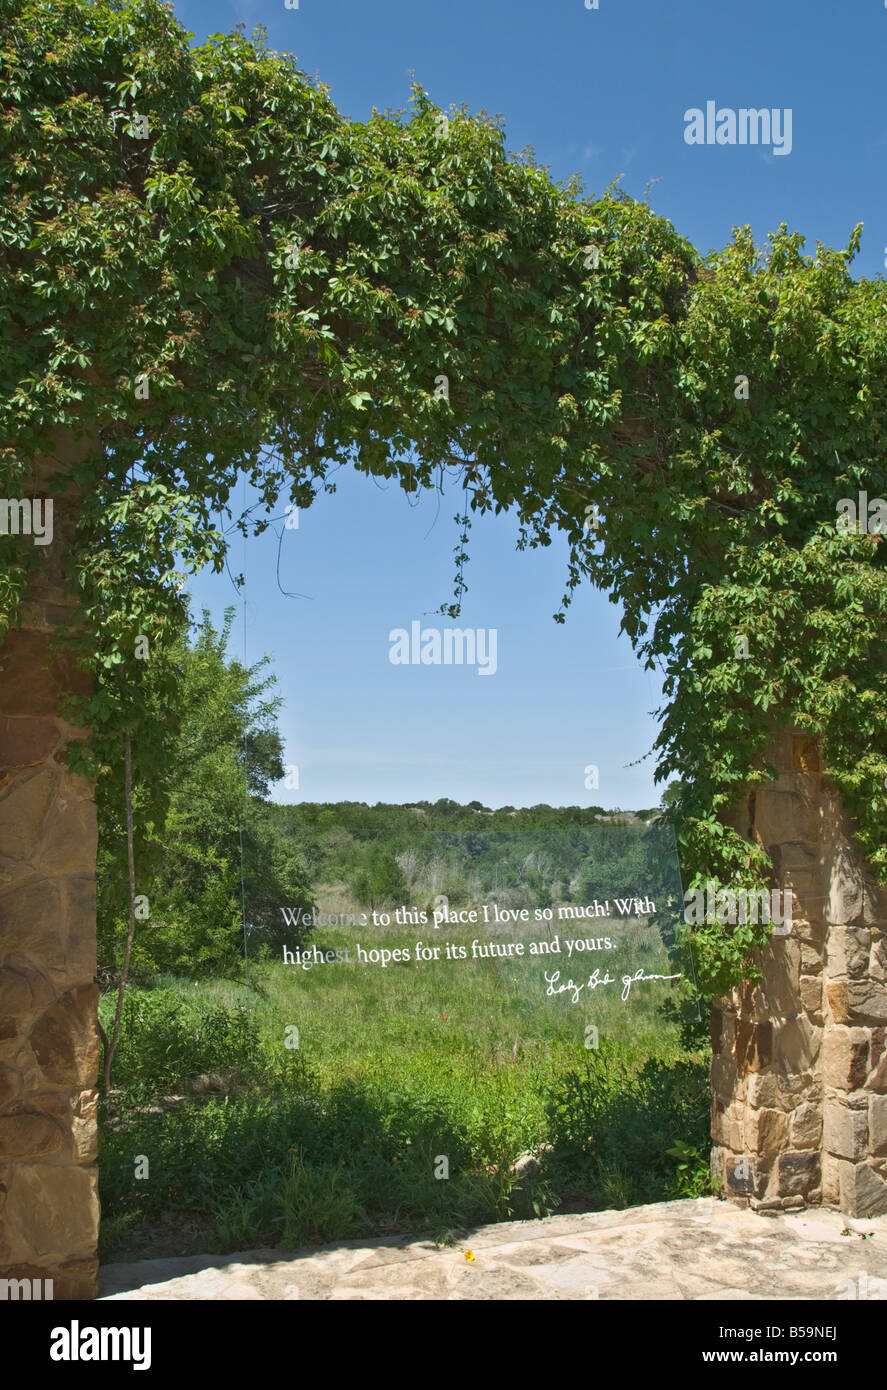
[702, 1250]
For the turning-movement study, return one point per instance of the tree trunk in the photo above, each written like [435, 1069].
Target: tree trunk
[48, 994]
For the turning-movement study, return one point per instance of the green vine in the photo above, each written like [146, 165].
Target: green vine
[258, 287]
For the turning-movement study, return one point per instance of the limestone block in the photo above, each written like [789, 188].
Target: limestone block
[838, 1003]
[798, 1171]
[812, 996]
[52, 1212]
[25, 741]
[29, 918]
[70, 834]
[65, 1041]
[755, 1006]
[798, 867]
[84, 1126]
[766, 1132]
[831, 1180]
[44, 918]
[784, 816]
[726, 1129]
[863, 1190]
[845, 1132]
[79, 959]
[764, 1092]
[812, 959]
[807, 926]
[24, 989]
[782, 976]
[878, 1125]
[87, 1105]
[851, 1100]
[16, 996]
[24, 807]
[852, 898]
[28, 1136]
[85, 1140]
[845, 1057]
[878, 960]
[57, 1107]
[76, 1278]
[753, 1047]
[798, 1043]
[805, 1126]
[848, 951]
[866, 1001]
[718, 1123]
[877, 1077]
[800, 784]
[810, 1085]
[723, 1076]
[733, 1119]
[779, 754]
[10, 1084]
[27, 686]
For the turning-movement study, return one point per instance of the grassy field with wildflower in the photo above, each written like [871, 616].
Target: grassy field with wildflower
[314, 1105]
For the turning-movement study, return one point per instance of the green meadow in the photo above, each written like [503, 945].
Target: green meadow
[348, 1099]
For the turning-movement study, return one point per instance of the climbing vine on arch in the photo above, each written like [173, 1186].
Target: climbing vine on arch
[212, 274]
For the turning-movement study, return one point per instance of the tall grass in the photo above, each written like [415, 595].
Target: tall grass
[252, 1142]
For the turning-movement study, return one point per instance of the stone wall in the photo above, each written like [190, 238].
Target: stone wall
[48, 997]
[799, 1068]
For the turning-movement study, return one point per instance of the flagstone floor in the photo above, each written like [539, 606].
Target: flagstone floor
[701, 1249]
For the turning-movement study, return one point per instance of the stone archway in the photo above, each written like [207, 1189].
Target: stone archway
[799, 1071]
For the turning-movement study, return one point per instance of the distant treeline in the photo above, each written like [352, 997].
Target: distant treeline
[388, 855]
[216, 859]
[389, 818]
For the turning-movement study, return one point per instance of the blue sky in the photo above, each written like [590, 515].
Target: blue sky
[599, 92]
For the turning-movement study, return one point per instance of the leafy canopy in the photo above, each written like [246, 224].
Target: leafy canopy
[292, 287]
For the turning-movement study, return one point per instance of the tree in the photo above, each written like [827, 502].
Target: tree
[211, 272]
[215, 850]
[379, 879]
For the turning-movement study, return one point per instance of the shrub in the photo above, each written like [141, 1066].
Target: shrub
[612, 1127]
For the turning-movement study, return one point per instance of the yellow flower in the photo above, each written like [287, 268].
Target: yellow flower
[469, 1254]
